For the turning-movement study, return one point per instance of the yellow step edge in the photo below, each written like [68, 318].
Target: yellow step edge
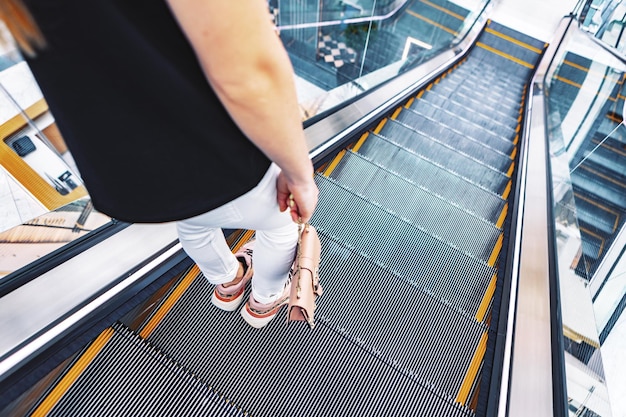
[513, 40]
[432, 22]
[443, 9]
[360, 142]
[408, 103]
[420, 94]
[509, 173]
[575, 65]
[472, 372]
[169, 302]
[243, 240]
[484, 304]
[503, 214]
[72, 375]
[514, 153]
[496, 251]
[395, 114]
[504, 55]
[603, 176]
[334, 164]
[516, 139]
[380, 126]
[507, 190]
[566, 81]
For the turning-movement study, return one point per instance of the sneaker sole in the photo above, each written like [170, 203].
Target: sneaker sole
[256, 320]
[231, 305]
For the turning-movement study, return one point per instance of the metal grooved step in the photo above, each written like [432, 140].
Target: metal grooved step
[344, 367]
[144, 383]
[401, 247]
[419, 207]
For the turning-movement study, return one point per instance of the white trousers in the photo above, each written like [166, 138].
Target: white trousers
[276, 238]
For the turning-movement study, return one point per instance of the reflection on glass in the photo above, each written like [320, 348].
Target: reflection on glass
[43, 201]
[340, 49]
[587, 143]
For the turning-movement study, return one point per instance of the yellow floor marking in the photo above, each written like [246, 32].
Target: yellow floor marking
[500, 221]
[169, 302]
[74, 372]
[396, 113]
[484, 304]
[504, 55]
[334, 164]
[358, 145]
[380, 126]
[496, 251]
[513, 40]
[432, 22]
[472, 371]
[443, 9]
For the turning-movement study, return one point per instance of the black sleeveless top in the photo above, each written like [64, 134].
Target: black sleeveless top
[151, 139]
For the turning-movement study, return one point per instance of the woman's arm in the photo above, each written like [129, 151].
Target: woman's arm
[248, 67]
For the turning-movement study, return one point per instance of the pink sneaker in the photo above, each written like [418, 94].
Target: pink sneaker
[229, 298]
[258, 315]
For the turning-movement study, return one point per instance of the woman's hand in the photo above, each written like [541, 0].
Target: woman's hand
[299, 197]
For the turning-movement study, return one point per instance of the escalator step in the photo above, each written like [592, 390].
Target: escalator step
[402, 248]
[398, 159]
[473, 131]
[413, 138]
[292, 370]
[441, 182]
[431, 213]
[128, 377]
[465, 113]
[444, 97]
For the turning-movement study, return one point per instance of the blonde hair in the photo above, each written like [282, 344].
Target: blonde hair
[22, 26]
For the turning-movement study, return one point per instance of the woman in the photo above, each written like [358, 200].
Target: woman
[186, 111]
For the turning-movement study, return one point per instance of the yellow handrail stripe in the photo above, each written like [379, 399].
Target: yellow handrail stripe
[484, 304]
[334, 164]
[169, 302]
[504, 55]
[472, 371]
[503, 214]
[72, 375]
[443, 9]
[496, 251]
[396, 113]
[380, 126]
[360, 142]
[432, 22]
[513, 40]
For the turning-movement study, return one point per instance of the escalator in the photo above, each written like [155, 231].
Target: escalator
[413, 222]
